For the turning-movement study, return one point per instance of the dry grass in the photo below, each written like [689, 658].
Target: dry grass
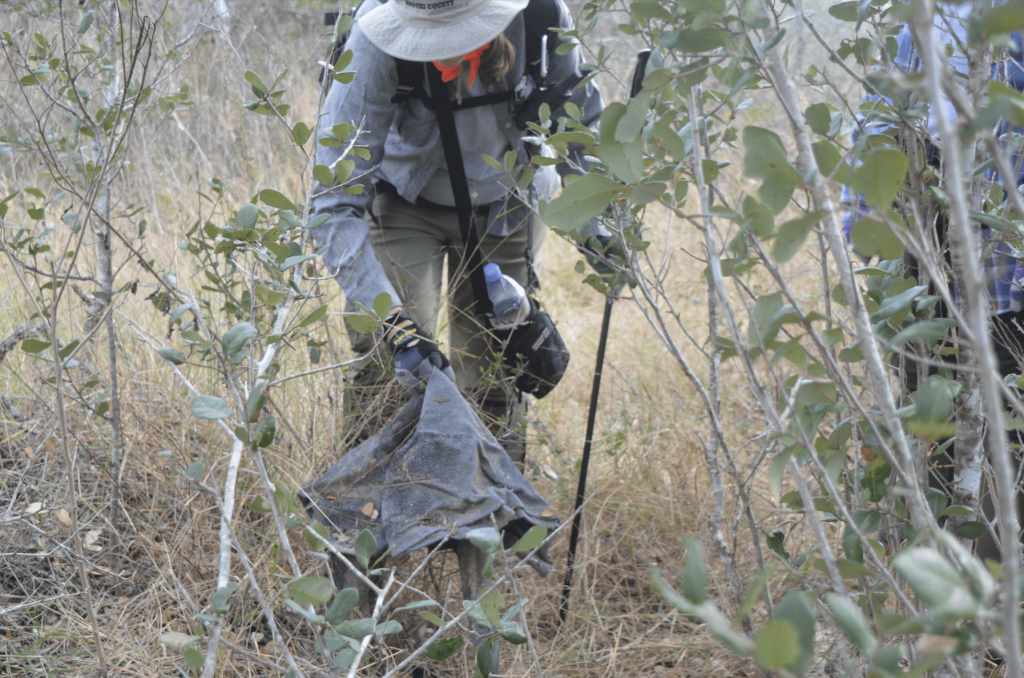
[154, 569]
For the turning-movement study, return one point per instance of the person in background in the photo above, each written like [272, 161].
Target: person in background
[1003, 270]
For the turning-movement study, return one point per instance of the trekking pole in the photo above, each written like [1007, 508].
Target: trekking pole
[595, 390]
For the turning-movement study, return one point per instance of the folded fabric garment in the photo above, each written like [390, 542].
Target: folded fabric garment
[434, 470]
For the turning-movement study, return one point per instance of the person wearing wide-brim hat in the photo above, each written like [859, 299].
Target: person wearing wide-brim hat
[481, 47]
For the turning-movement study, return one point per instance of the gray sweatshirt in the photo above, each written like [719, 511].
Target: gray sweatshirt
[405, 144]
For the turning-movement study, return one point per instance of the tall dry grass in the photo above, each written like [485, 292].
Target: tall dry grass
[155, 570]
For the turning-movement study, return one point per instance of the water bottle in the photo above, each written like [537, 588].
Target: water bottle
[511, 305]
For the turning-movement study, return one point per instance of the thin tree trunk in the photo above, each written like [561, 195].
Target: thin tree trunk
[105, 263]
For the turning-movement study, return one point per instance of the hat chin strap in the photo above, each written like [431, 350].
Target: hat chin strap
[449, 73]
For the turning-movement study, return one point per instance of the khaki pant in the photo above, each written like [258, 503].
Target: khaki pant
[411, 243]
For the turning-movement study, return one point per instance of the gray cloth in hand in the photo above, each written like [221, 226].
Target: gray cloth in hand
[433, 470]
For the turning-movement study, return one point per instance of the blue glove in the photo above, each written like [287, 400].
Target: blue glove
[415, 353]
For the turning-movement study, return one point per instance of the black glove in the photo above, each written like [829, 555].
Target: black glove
[414, 352]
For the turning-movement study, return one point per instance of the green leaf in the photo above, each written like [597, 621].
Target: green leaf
[899, 302]
[486, 613]
[34, 346]
[880, 176]
[844, 11]
[485, 658]
[766, 159]
[832, 337]
[344, 60]
[388, 628]
[993, 221]
[690, 41]
[86, 22]
[644, 10]
[299, 609]
[694, 579]
[853, 623]
[533, 538]
[443, 649]
[382, 305]
[511, 632]
[172, 356]
[266, 428]
[310, 590]
[195, 470]
[300, 133]
[796, 609]
[314, 316]
[416, 606]
[285, 499]
[759, 218]
[364, 547]
[819, 118]
[648, 192]
[236, 340]
[777, 645]
[324, 175]
[342, 606]
[313, 542]
[828, 157]
[929, 331]
[875, 475]
[357, 629]
[276, 199]
[791, 235]
[219, 603]
[256, 83]
[362, 323]
[254, 403]
[752, 594]
[776, 470]
[971, 530]
[816, 392]
[432, 618]
[210, 407]
[580, 201]
[632, 121]
[486, 539]
[247, 215]
[871, 237]
[193, 657]
[932, 578]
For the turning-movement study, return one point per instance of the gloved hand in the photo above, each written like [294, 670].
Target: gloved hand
[414, 352]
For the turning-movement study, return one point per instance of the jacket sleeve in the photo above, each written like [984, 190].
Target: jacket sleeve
[365, 101]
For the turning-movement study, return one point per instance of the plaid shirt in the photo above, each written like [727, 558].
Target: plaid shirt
[1003, 271]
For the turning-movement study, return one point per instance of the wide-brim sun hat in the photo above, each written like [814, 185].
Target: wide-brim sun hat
[434, 30]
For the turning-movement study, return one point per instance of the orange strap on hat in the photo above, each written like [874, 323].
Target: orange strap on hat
[449, 74]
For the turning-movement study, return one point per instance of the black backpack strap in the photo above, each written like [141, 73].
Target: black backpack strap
[410, 86]
[460, 189]
[410, 81]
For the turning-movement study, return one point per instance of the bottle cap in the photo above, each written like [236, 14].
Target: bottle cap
[492, 272]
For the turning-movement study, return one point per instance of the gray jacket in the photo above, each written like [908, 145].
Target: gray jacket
[404, 142]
